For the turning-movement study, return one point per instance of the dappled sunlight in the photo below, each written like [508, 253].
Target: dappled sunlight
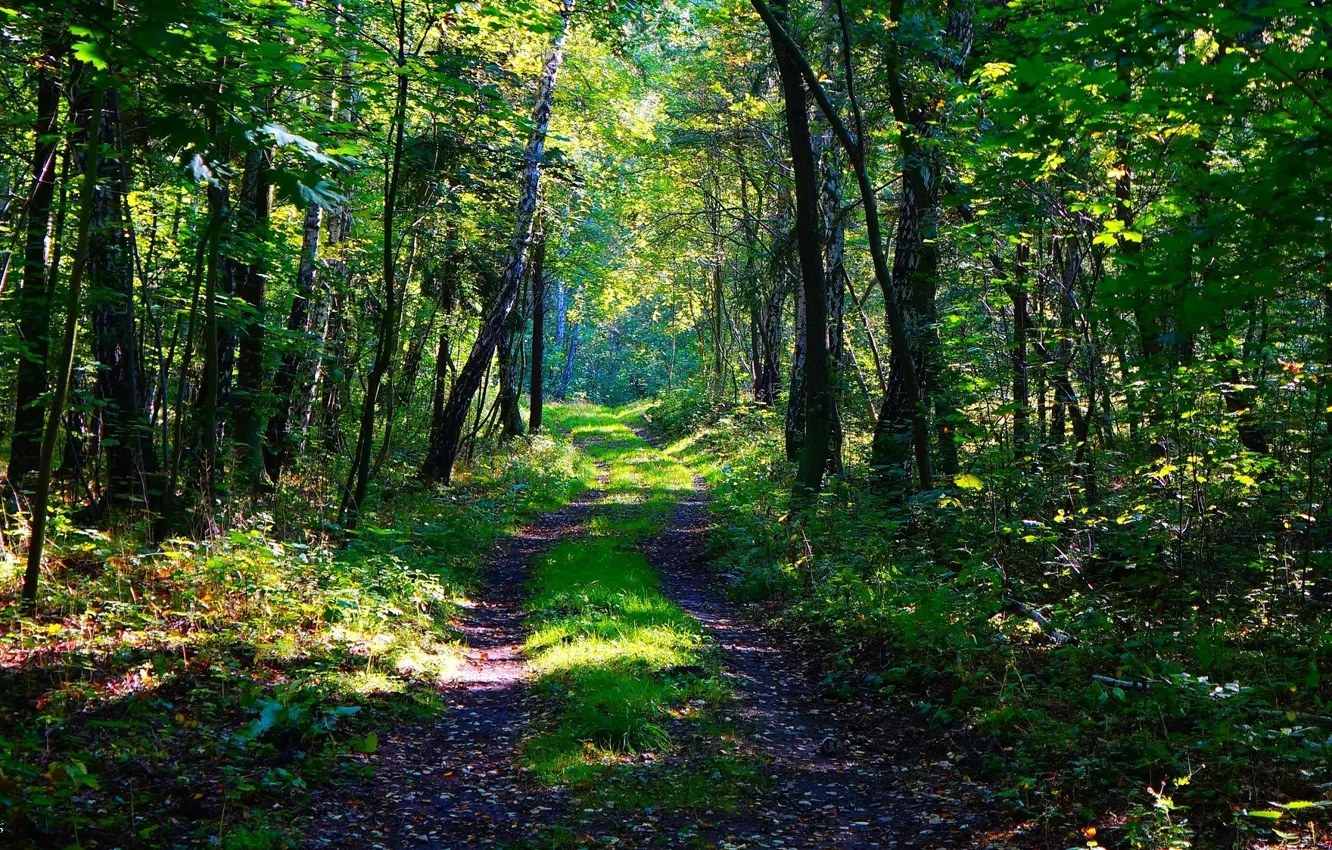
[623, 664]
[160, 662]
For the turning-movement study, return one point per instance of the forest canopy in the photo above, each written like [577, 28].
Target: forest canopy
[998, 331]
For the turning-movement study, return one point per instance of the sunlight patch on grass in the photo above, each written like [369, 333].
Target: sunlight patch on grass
[628, 674]
[171, 656]
[604, 644]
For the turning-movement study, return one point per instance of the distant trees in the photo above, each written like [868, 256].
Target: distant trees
[1072, 231]
[236, 305]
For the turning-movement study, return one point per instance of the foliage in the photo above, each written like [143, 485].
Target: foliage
[245, 672]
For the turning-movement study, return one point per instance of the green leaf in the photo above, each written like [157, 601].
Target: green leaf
[967, 481]
[366, 745]
[91, 53]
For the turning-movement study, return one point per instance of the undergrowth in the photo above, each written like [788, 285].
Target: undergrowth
[196, 693]
[1216, 725]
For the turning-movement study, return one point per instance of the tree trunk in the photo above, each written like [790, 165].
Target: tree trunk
[538, 391]
[358, 480]
[769, 366]
[131, 463]
[166, 517]
[411, 360]
[1021, 395]
[834, 250]
[570, 353]
[334, 399]
[855, 150]
[252, 219]
[447, 298]
[915, 272]
[817, 395]
[34, 299]
[208, 398]
[795, 397]
[510, 377]
[301, 324]
[65, 366]
[439, 462]
[718, 319]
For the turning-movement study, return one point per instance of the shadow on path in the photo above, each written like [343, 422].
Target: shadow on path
[451, 781]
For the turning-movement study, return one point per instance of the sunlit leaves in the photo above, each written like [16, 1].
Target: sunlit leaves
[967, 481]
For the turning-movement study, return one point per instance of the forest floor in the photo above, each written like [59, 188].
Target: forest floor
[613, 696]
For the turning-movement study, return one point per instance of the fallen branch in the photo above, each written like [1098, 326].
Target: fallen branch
[1318, 719]
[1041, 620]
[1125, 684]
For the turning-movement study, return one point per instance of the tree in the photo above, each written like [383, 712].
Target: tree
[444, 450]
[35, 297]
[538, 381]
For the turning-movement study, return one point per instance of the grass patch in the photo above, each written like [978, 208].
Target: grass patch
[171, 697]
[628, 674]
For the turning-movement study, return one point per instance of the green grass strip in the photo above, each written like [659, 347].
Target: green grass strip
[625, 669]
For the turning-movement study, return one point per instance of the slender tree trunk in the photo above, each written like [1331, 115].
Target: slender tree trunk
[166, 517]
[1069, 269]
[334, 399]
[510, 377]
[353, 495]
[439, 461]
[834, 249]
[34, 309]
[1021, 394]
[561, 312]
[538, 390]
[447, 296]
[411, 360]
[251, 276]
[208, 400]
[873, 341]
[818, 396]
[65, 366]
[570, 353]
[300, 323]
[770, 342]
[795, 404]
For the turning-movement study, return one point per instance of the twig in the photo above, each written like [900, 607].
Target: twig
[1123, 683]
[1059, 637]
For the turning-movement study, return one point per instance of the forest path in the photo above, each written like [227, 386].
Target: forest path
[452, 781]
[770, 764]
[832, 781]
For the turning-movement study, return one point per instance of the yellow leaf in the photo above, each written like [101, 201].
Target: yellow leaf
[967, 481]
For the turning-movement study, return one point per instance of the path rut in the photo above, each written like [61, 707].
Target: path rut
[827, 786]
[452, 781]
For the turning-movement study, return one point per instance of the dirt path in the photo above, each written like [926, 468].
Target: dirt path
[452, 781]
[828, 787]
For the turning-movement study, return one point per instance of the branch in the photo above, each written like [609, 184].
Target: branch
[811, 79]
[1041, 620]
